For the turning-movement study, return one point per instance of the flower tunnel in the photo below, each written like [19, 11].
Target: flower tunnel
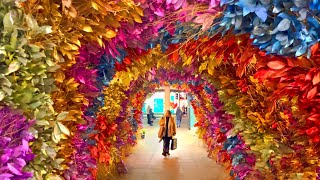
[71, 70]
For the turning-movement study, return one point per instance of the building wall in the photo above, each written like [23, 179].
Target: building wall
[192, 118]
[156, 102]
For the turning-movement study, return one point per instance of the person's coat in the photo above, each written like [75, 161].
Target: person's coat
[152, 114]
[148, 110]
[172, 127]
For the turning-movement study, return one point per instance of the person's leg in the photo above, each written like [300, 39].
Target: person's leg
[148, 117]
[169, 139]
[166, 145]
[177, 122]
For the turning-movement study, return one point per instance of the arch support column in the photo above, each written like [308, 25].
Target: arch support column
[167, 97]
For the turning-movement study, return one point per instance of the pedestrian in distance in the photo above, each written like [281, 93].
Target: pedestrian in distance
[148, 114]
[152, 117]
[179, 114]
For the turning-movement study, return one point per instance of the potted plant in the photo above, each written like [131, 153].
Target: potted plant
[143, 133]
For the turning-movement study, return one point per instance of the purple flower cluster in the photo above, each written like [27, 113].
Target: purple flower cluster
[82, 164]
[15, 152]
[85, 71]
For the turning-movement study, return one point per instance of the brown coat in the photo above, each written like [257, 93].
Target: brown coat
[172, 127]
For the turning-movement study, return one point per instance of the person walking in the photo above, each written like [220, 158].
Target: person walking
[179, 116]
[148, 114]
[152, 117]
[167, 131]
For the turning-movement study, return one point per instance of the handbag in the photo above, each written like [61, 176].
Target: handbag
[174, 144]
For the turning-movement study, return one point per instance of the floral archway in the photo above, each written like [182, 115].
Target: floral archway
[69, 69]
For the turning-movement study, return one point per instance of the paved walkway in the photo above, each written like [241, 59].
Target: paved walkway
[188, 162]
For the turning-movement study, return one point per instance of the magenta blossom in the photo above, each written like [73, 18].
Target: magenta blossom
[15, 152]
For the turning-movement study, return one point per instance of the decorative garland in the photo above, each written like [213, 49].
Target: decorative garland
[76, 67]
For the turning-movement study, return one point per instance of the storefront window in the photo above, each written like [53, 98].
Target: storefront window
[158, 106]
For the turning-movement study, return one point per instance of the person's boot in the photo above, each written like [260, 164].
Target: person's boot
[168, 153]
[164, 154]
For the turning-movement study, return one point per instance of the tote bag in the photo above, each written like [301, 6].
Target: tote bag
[174, 144]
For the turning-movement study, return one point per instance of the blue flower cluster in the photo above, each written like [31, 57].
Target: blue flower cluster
[283, 27]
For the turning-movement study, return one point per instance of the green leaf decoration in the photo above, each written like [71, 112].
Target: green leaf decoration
[63, 129]
[62, 116]
[26, 82]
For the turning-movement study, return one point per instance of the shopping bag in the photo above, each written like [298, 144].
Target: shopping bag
[174, 144]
